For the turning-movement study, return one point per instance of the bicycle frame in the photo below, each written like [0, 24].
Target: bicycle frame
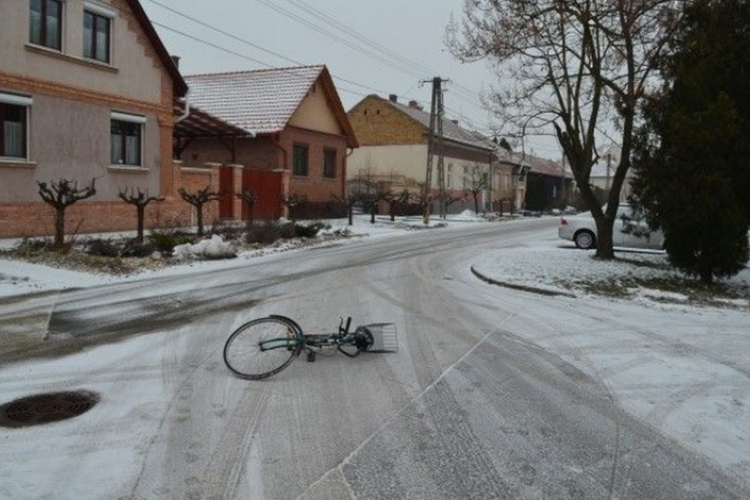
[291, 341]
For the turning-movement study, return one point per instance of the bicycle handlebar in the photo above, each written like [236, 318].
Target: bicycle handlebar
[345, 329]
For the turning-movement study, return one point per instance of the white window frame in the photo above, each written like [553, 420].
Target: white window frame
[18, 100]
[95, 8]
[130, 118]
[110, 14]
[127, 117]
[26, 102]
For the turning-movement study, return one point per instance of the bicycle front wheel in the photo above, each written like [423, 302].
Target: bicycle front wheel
[261, 347]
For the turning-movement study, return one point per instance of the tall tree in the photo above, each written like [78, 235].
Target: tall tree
[577, 66]
[692, 156]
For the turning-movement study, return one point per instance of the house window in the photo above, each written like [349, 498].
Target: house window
[96, 36]
[126, 133]
[12, 131]
[300, 160]
[14, 125]
[329, 163]
[45, 23]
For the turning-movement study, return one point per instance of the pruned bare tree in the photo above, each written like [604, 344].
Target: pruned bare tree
[248, 197]
[396, 200]
[60, 195]
[198, 199]
[140, 200]
[348, 202]
[424, 200]
[292, 201]
[449, 200]
[577, 67]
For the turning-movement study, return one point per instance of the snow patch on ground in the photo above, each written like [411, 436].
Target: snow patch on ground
[210, 249]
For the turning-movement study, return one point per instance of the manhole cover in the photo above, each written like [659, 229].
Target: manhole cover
[45, 408]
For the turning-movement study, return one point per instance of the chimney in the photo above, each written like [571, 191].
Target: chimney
[176, 61]
[455, 122]
[414, 104]
[393, 98]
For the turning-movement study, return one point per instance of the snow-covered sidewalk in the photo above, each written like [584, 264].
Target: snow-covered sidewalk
[553, 266]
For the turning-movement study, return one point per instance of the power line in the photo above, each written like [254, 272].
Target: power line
[241, 40]
[374, 55]
[225, 33]
[322, 16]
[404, 64]
[242, 56]
[327, 18]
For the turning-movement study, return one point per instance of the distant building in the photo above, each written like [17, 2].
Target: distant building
[394, 140]
[548, 186]
[296, 139]
[604, 170]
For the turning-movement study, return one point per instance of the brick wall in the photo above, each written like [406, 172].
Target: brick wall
[274, 152]
[315, 186]
[37, 218]
[376, 123]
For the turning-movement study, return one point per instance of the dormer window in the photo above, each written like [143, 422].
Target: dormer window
[45, 23]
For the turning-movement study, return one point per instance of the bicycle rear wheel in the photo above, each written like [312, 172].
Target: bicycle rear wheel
[244, 356]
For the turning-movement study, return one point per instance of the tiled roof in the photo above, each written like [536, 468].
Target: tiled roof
[259, 101]
[535, 164]
[201, 124]
[451, 130]
[511, 158]
[544, 166]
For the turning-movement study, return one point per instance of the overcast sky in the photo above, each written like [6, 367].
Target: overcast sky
[370, 46]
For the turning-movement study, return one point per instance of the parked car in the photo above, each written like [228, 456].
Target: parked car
[629, 230]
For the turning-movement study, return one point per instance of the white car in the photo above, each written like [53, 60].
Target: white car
[581, 229]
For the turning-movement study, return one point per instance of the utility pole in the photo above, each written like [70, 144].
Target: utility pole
[436, 142]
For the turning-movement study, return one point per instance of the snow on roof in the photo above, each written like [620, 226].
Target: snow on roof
[259, 101]
[451, 129]
[546, 167]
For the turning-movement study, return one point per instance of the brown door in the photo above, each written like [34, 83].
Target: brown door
[267, 187]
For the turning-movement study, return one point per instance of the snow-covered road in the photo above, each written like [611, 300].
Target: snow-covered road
[494, 393]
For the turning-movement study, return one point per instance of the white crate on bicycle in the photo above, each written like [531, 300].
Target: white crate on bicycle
[383, 337]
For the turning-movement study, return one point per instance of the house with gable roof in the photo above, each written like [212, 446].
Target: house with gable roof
[394, 140]
[297, 139]
[548, 185]
[87, 91]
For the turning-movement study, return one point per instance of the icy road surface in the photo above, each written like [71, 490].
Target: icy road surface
[494, 393]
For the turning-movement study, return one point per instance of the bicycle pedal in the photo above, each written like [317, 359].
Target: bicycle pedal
[311, 357]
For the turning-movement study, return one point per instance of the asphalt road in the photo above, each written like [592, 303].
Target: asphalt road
[468, 407]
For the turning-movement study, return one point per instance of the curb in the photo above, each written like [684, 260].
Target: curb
[523, 288]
